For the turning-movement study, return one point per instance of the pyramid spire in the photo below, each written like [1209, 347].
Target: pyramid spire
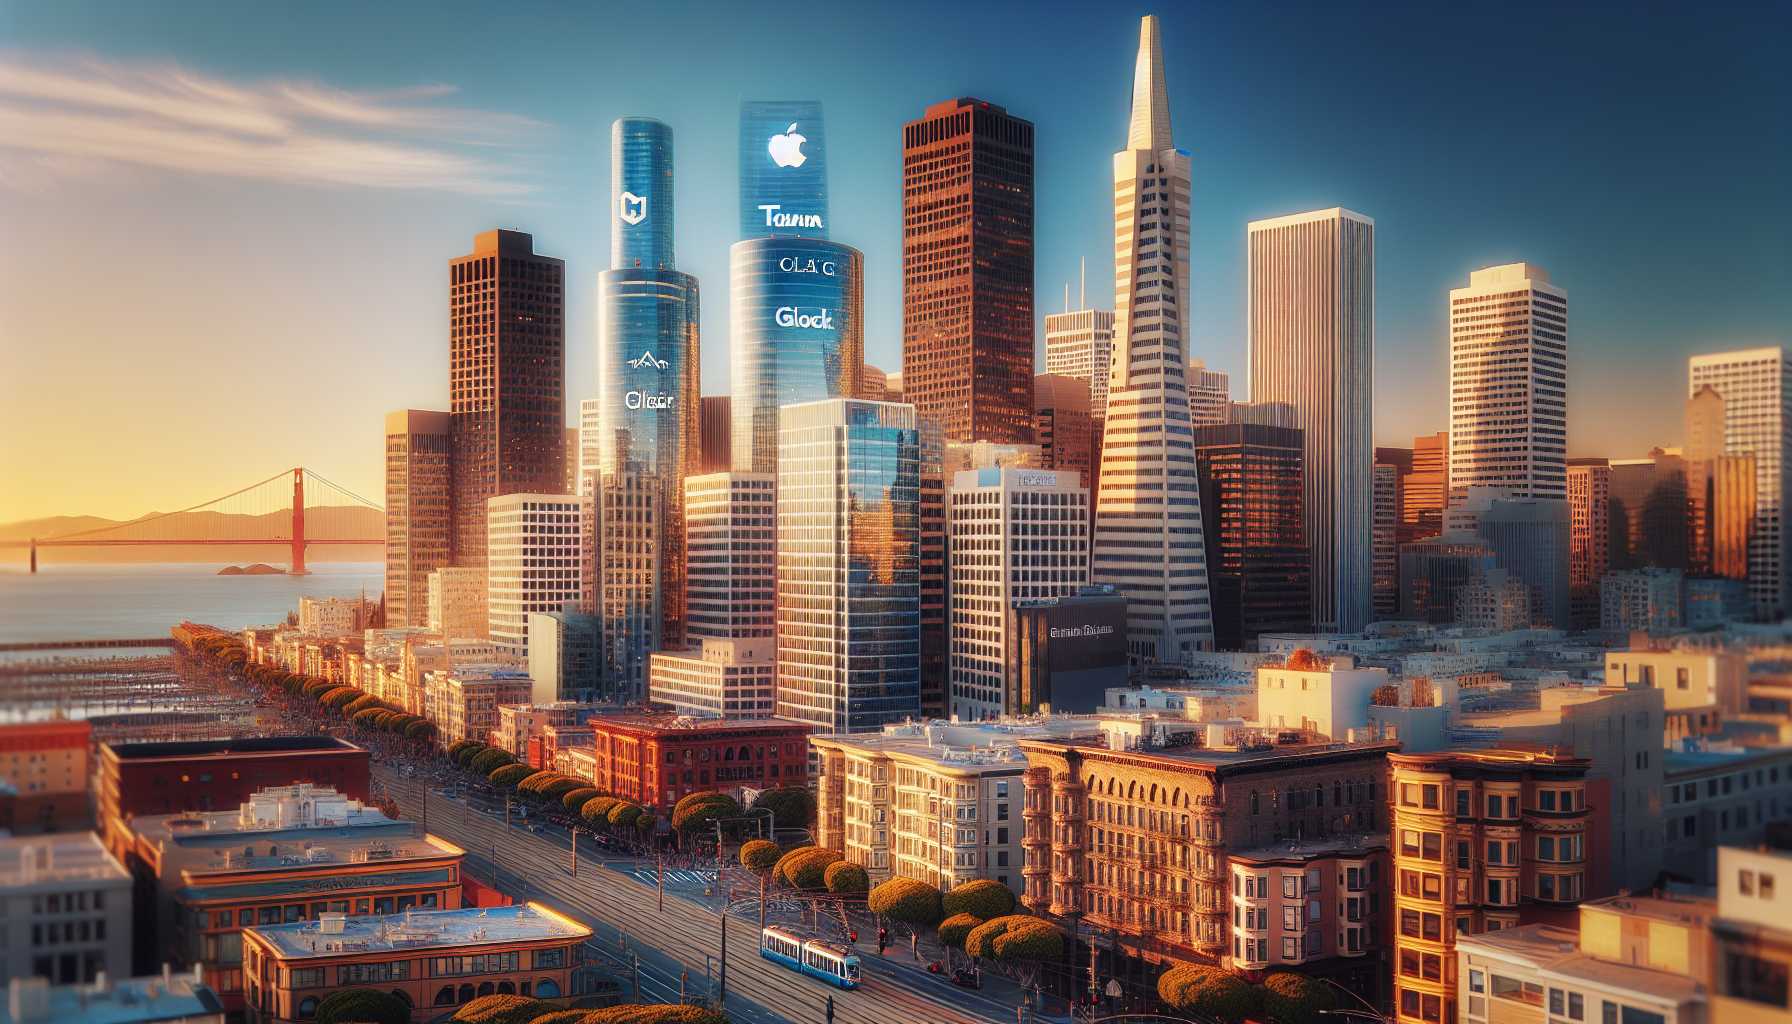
[1150, 99]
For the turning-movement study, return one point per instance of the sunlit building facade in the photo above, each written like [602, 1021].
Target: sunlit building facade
[1148, 542]
[1251, 493]
[1509, 383]
[849, 580]
[783, 169]
[419, 509]
[731, 540]
[536, 562]
[1756, 387]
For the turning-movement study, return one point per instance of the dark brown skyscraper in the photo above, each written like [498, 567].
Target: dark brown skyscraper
[967, 271]
[715, 434]
[419, 514]
[1064, 427]
[1257, 559]
[506, 379]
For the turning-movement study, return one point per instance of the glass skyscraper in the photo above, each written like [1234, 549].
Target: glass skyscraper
[783, 169]
[798, 335]
[647, 429]
[849, 573]
[640, 194]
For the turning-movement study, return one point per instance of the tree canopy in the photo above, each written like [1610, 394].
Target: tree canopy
[981, 897]
[907, 901]
[363, 1006]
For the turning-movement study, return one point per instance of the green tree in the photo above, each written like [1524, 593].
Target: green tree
[624, 814]
[698, 812]
[458, 746]
[362, 1006]
[557, 788]
[420, 729]
[597, 809]
[791, 806]
[631, 1013]
[843, 877]
[1201, 991]
[575, 799]
[759, 855]
[501, 1010]
[1020, 942]
[909, 902]
[508, 775]
[981, 897]
[468, 753]
[954, 929]
[490, 758]
[1290, 998]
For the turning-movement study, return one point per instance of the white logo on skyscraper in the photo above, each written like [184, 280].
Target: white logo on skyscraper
[787, 149]
[647, 360]
[631, 208]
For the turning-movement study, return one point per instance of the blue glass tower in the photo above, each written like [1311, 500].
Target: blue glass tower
[640, 194]
[647, 417]
[798, 335]
[783, 169]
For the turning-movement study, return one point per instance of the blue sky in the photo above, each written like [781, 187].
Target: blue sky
[1640, 153]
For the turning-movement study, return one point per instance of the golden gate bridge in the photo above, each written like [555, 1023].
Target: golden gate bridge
[261, 513]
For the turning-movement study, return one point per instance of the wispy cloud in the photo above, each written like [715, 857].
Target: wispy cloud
[77, 112]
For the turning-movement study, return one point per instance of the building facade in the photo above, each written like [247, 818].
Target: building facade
[1013, 535]
[1312, 340]
[44, 766]
[419, 509]
[1384, 533]
[1754, 945]
[967, 270]
[657, 759]
[1756, 388]
[565, 656]
[506, 379]
[1063, 426]
[730, 539]
[715, 428]
[1317, 906]
[720, 677]
[65, 909]
[1148, 540]
[457, 603]
[1589, 484]
[1065, 653]
[1251, 503]
[783, 170]
[849, 579]
[1509, 383]
[536, 562]
[1482, 841]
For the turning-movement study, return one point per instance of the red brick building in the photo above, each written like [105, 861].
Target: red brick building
[166, 778]
[43, 776]
[654, 759]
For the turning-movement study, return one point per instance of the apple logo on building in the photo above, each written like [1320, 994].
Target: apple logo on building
[787, 149]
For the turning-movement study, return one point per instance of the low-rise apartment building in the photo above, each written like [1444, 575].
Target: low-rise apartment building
[1318, 906]
[43, 776]
[65, 909]
[657, 759]
[1716, 796]
[1754, 937]
[463, 702]
[435, 960]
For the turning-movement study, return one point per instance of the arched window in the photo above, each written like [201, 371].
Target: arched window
[307, 1008]
[486, 988]
[405, 998]
[1256, 804]
[505, 988]
[464, 994]
[1319, 795]
[547, 988]
[745, 753]
[445, 996]
[728, 754]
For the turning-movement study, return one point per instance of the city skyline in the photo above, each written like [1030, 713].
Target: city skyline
[427, 150]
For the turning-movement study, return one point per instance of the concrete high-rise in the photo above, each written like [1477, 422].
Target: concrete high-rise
[1509, 383]
[1209, 395]
[730, 538]
[715, 423]
[647, 390]
[1080, 343]
[536, 562]
[589, 421]
[1385, 531]
[849, 579]
[967, 271]
[1720, 489]
[1589, 535]
[506, 379]
[1148, 542]
[1312, 342]
[1257, 559]
[1425, 487]
[419, 510]
[1756, 386]
[1014, 535]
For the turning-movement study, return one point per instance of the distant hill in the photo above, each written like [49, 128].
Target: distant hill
[321, 524]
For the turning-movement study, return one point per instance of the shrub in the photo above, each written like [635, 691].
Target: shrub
[537, 778]
[509, 774]
[575, 799]
[647, 824]
[906, 901]
[791, 806]
[363, 1006]
[759, 855]
[982, 897]
[562, 1017]
[1290, 998]
[697, 812]
[665, 1013]
[501, 1010]
[954, 929]
[844, 877]
[1202, 991]
[368, 717]
[490, 758]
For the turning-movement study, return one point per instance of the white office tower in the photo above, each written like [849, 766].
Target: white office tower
[849, 564]
[629, 554]
[1756, 386]
[731, 540]
[716, 678]
[1012, 535]
[1312, 351]
[1148, 541]
[1509, 383]
[534, 561]
[1209, 395]
[589, 446]
[1080, 343]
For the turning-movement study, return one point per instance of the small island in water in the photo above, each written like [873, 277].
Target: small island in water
[258, 569]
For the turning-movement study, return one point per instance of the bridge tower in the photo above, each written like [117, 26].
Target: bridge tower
[34, 556]
[298, 524]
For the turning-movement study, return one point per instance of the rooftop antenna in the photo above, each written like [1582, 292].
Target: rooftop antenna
[1067, 296]
[1082, 288]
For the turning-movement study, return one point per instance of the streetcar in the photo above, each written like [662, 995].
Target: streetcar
[828, 961]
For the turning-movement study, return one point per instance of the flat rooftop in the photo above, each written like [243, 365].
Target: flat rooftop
[1663, 984]
[1676, 909]
[1229, 758]
[130, 1001]
[968, 745]
[422, 930]
[1676, 762]
[677, 723]
[245, 746]
[57, 860]
[1363, 843]
[1538, 944]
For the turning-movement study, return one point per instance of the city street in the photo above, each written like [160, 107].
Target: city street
[617, 898]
